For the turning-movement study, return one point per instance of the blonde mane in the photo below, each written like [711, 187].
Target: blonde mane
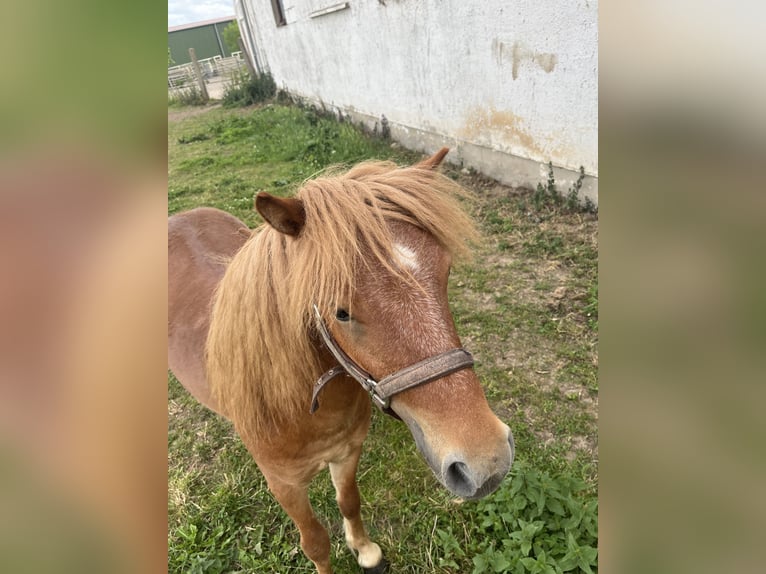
[261, 361]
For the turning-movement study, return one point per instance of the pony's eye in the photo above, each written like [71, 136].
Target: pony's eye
[342, 315]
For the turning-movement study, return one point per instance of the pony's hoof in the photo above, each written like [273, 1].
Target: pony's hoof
[381, 568]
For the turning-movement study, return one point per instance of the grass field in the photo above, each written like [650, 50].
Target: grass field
[526, 308]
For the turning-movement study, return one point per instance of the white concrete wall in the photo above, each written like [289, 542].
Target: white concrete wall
[508, 84]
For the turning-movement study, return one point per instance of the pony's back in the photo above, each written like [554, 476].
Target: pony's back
[200, 243]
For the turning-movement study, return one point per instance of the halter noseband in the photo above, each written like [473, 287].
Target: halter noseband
[381, 391]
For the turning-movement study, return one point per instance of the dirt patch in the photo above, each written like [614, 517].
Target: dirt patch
[175, 115]
[528, 296]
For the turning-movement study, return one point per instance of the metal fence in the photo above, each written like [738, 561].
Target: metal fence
[217, 72]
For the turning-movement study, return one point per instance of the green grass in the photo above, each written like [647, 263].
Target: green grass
[223, 158]
[527, 309]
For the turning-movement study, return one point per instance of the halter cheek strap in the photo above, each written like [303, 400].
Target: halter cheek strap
[381, 391]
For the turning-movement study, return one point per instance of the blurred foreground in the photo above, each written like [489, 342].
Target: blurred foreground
[82, 362]
[82, 289]
[683, 214]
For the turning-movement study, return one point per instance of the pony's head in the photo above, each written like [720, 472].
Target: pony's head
[376, 250]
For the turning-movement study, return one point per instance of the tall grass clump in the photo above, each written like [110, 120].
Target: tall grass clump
[187, 96]
[246, 90]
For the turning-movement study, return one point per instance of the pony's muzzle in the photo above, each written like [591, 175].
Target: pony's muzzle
[472, 481]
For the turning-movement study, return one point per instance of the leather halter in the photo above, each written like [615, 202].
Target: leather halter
[381, 391]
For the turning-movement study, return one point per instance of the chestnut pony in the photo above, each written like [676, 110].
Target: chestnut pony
[365, 257]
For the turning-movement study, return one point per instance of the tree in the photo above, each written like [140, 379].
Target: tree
[171, 61]
[231, 36]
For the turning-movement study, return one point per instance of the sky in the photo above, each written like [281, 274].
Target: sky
[188, 11]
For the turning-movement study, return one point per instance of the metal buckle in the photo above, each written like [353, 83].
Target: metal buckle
[381, 402]
[372, 389]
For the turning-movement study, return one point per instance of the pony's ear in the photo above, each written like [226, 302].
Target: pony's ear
[433, 161]
[286, 215]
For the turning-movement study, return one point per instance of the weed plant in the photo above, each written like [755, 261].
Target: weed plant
[548, 195]
[189, 95]
[534, 523]
[247, 90]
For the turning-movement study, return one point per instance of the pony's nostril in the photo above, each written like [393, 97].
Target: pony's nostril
[459, 481]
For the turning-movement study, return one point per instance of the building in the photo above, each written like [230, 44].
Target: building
[508, 85]
[205, 37]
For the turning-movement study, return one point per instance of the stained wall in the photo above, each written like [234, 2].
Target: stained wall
[508, 85]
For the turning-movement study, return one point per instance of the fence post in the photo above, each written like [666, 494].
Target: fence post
[198, 73]
[246, 55]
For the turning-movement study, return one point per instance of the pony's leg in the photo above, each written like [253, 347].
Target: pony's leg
[343, 474]
[315, 542]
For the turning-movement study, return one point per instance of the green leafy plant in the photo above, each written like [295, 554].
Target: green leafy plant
[573, 196]
[231, 36]
[246, 90]
[537, 523]
[548, 196]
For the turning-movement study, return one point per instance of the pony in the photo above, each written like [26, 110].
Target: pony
[340, 295]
